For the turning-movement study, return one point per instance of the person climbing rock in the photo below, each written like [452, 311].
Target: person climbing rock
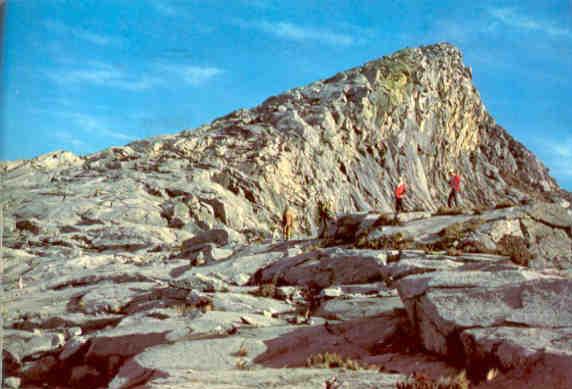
[455, 185]
[287, 223]
[400, 193]
[325, 214]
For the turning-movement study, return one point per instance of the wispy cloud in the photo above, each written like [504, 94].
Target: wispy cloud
[294, 32]
[514, 18]
[193, 75]
[109, 76]
[69, 139]
[262, 4]
[164, 7]
[94, 126]
[170, 8]
[559, 157]
[81, 33]
[102, 74]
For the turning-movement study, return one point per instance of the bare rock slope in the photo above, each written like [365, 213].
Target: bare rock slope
[415, 113]
[156, 264]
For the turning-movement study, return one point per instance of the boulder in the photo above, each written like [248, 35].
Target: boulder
[553, 215]
[22, 344]
[220, 237]
[38, 371]
[29, 225]
[357, 308]
[322, 268]
[445, 305]
[84, 376]
[12, 382]
[200, 282]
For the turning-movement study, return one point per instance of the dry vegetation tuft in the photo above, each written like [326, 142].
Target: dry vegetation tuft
[449, 211]
[459, 381]
[333, 360]
[385, 219]
[183, 309]
[396, 241]
[268, 289]
[504, 204]
[265, 290]
[242, 351]
[516, 248]
[241, 364]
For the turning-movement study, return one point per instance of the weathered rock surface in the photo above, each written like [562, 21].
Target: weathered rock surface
[156, 264]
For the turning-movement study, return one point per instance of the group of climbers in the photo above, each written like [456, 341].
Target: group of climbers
[325, 215]
[454, 189]
[326, 210]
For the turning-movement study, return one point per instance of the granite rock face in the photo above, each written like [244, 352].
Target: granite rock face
[415, 113]
[157, 264]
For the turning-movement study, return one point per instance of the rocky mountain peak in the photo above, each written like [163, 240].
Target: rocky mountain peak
[123, 266]
[415, 113]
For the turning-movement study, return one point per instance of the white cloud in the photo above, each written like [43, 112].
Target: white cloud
[102, 74]
[559, 157]
[261, 4]
[513, 18]
[290, 31]
[72, 141]
[94, 125]
[171, 8]
[193, 75]
[81, 33]
[164, 8]
[106, 75]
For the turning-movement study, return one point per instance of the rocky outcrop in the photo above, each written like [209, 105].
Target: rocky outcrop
[156, 264]
[415, 113]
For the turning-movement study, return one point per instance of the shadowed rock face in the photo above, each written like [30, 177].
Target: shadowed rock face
[415, 113]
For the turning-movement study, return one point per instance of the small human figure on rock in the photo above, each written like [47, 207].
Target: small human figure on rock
[400, 193]
[325, 215]
[455, 185]
[288, 223]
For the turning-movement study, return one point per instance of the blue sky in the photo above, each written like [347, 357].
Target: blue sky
[83, 75]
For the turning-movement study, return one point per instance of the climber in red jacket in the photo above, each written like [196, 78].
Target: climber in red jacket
[400, 192]
[455, 185]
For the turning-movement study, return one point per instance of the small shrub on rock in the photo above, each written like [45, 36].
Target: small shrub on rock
[333, 360]
[454, 252]
[265, 290]
[516, 248]
[452, 235]
[504, 204]
[419, 381]
[480, 210]
[452, 232]
[449, 211]
[242, 351]
[241, 364]
[473, 225]
[393, 257]
[396, 241]
[385, 219]
[183, 309]
[268, 289]
[474, 246]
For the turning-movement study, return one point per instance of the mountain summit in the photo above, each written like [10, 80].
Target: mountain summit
[415, 113]
[156, 264]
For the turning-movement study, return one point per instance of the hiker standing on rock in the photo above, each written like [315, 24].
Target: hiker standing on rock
[325, 214]
[287, 223]
[455, 185]
[400, 193]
